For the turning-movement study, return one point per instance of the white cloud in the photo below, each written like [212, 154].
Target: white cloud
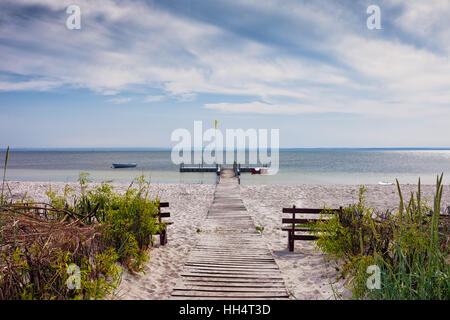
[153, 98]
[257, 107]
[135, 45]
[399, 71]
[90, 58]
[427, 20]
[35, 85]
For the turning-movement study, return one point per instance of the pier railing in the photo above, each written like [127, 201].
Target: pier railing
[238, 168]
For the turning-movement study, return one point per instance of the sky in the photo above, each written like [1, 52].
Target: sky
[138, 70]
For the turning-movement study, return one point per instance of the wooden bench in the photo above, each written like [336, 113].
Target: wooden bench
[163, 234]
[293, 221]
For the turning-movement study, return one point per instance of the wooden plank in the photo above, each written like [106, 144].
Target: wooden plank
[252, 264]
[227, 272]
[226, 256]
[211, 240]
[232, 263]
[310, 210]
[196, 279]
[296, 229]
[231, 253]
[305, 237]
[249, 265]
[298, 220]
[279, 290]
[228, 253]
[224, 284]
[210, 294]
[231, 249]
[234, 249]
[231, 268]
[195, 269]
[225, 276]
[164, 214]
[231, 243]
[163, 204]
[268, 266]
[244, 261]
[220, 241]
[229, 258]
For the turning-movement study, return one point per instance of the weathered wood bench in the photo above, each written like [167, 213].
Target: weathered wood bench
[163, 234]
[293, 221]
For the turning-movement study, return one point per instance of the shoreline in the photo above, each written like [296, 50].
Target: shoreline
[332, 192]
[306, 273]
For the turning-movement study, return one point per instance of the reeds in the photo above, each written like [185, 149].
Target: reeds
[2, 198]
[410, 248]
[35, 252]
[418, 268]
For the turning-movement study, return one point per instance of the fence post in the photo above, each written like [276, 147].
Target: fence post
[292, 233]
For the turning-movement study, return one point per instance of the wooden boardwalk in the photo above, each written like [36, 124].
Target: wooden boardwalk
[231, 260]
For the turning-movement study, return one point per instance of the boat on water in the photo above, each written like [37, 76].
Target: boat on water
[385, 183]
[259, 171]
[124, 165]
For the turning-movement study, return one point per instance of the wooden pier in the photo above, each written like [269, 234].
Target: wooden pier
[217, 168]
[230, 260]
[199, 168]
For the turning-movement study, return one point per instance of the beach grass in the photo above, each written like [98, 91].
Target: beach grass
[409, 248]
[2, 197]
[93, 231]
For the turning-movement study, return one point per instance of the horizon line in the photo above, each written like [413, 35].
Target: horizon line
[140, 149]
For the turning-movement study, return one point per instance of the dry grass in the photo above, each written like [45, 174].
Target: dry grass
[36, 247]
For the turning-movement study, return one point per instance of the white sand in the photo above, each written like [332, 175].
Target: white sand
[306, 273]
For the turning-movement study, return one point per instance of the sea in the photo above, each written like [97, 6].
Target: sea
[296, 166]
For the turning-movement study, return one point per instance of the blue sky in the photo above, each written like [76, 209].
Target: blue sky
[137, 70]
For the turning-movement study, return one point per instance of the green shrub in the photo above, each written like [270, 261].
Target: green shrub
[356, 231]
[130, 223]
[128, 220]
[93, 229]
[93, 204]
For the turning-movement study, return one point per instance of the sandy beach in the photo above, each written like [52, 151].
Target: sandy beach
[306, 273]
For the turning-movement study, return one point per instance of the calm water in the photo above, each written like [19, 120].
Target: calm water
[296, 167]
